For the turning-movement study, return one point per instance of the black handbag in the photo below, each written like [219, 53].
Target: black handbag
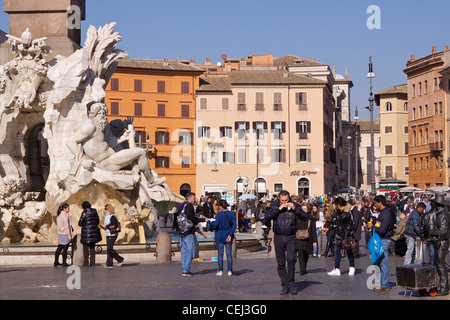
[348, 243]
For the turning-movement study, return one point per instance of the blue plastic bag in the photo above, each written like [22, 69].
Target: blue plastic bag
[375, 247]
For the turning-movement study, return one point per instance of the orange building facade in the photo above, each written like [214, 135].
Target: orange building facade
[427, 114]
[160, 96]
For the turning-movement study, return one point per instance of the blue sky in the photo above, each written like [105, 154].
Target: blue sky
[331, 31]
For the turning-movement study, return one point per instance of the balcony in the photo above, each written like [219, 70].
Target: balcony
[277, 107]
[302, 107]
[303, 136]
[436, 146]
[241, 107]
[259, 107]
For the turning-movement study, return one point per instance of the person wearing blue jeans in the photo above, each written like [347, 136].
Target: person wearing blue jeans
[187, 246]
[187, 242]
[384, 226]
[225, 225]
[412, 231]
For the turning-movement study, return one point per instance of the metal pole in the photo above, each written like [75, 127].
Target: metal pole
[371, 75]
[357, 152]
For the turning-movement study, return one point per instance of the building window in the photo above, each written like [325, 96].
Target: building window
[138, 109]
[278, 128]
[388, 129]
[185, 162]
[184, 87]
[203, 103]
[162, 162]
[185, 138]
[259, 128]
[277, 187]
[226, 132]
[225, 103]
[301, 100]
[241, 127]
[388, 149]
[228, 157]
[204, 132]
[114, 108]
[303, 155]
[242, 155]
[277, 101]
[185, 111]
[115, 84]
[161, 110]
[303, 128]
[161, 137]
[138, 85]
[406, 171]
[405, 129]
[405, 107]
[259, 105]
[406, 148]
[161, 86]
[278, 155]
[388, 106]
[388, 171]
[241, 106]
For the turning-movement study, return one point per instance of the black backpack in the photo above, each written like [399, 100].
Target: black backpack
[184, 224]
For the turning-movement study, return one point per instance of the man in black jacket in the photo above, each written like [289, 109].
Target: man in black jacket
[283, 213]
[187, 241]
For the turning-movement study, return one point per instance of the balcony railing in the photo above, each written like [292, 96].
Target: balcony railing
[242, 107]
[436, 146]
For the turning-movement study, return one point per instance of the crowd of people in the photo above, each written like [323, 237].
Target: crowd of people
[404, 225]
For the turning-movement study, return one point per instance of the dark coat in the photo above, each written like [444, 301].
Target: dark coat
[307, 244]
[342, 223]
[357, 222]
[284, 219]
[88, 222]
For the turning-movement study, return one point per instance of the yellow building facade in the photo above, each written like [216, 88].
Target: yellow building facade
[160, 97]
[394, 144]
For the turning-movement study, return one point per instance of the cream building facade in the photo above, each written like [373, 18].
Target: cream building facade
[393, 104]
[274, 128]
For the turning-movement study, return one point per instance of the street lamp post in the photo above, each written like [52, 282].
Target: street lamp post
[357, 152]
[349, 138]
[371, 75]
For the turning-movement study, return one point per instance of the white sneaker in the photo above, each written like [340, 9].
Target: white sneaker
[219, 273]
[334, 272]
[351, 271]
[230, 273]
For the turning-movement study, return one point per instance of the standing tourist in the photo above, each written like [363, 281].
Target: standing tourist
[412, 232]
[111, 227]
[384, 226]
[306, 238]
[326, 228]
[319, 219]
[90, 233]
[64, 234]
[342, 222]
[225, 225]
[187, 226]
[283, 213]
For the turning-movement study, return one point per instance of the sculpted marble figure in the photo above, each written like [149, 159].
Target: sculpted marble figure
[96, 151]
[60, 104]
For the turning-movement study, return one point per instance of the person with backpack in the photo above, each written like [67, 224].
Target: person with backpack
[187, 222]
[225, 225]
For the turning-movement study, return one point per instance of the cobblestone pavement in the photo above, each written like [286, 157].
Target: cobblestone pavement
[255, 278]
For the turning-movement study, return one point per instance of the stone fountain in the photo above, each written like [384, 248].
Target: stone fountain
[57, 146]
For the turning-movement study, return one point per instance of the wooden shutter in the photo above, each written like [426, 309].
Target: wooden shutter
[115, 84]
[225, 103]
[138, 109]
[161, 86]
[114, 108]
[138, 85]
